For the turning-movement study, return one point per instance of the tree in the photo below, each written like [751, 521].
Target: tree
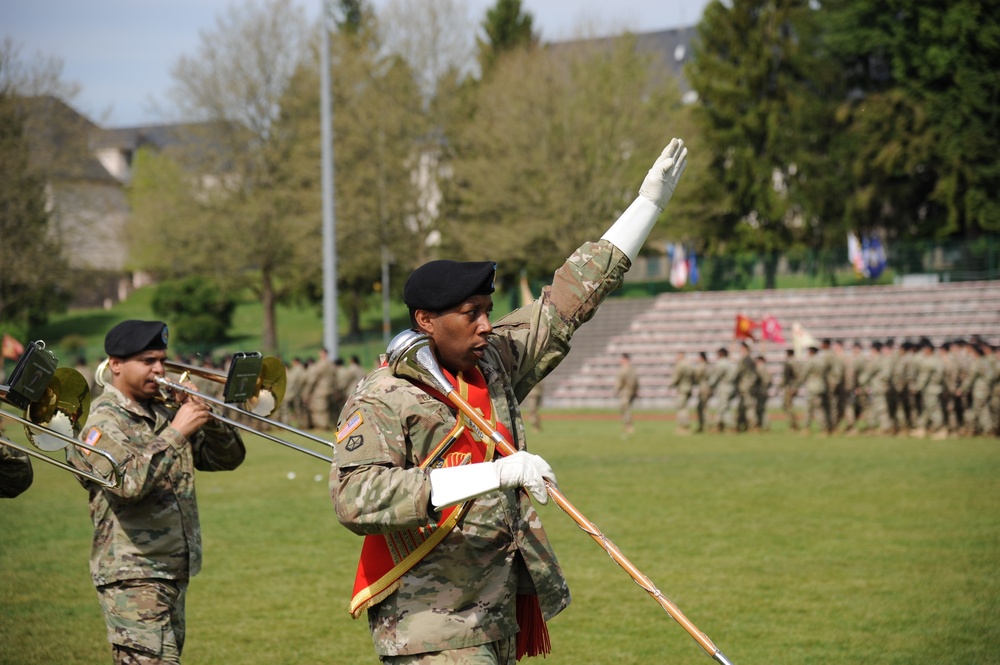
[507, 28]
[921, 113]
[763, 116]
[32, 266]
[250, 212]
[379, 125]
[433, 37]
[201, 313]
[556, 146]
[34, 278]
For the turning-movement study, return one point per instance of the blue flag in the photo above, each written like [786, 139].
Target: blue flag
[692, 266]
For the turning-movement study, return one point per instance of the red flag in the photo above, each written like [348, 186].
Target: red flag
[744, 327]
[770, 330]
[12, 349]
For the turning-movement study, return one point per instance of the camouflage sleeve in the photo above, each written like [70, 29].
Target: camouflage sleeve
[16, 474]
[217, 447]
[375, 482]
[532, 340]
[143, 463]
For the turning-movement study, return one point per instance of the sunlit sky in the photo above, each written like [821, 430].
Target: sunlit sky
[120, 52]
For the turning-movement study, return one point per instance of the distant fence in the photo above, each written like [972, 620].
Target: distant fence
[907, 262]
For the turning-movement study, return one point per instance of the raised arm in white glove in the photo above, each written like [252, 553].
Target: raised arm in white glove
[629, 232]
[455, 484]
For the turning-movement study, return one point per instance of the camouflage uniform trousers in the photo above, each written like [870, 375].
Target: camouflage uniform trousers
[979, 419]
[683, 413]
[625, 406]
[746, 410]
[932, 418]
[878, 413]
[700, 406]
[502, 652]
[818, 409]
[145, 620]
[788, 407]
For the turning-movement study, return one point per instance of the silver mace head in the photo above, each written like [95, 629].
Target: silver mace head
[410, 356]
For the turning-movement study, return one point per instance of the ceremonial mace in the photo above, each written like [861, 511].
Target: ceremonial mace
[410, 356]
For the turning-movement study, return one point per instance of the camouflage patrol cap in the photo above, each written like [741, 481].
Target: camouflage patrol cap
[443, 284]
[133, 336]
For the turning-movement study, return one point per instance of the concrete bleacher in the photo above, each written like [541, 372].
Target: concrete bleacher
[652, 331]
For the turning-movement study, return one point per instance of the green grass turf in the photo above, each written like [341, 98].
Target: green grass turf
[782, 549]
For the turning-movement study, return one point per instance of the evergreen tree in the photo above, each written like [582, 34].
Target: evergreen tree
[507, 29]
[922, 113]
[761, 110]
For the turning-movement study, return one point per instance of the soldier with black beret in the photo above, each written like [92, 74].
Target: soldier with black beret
[455, 565]
[147, 537]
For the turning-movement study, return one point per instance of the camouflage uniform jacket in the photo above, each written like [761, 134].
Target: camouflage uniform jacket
[148, 527]
[684, 378]
[462, 593]
[627, 383]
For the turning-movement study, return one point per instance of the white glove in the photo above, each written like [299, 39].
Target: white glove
[662, 179]
[455, 484]
[629, 231]
[522, 469]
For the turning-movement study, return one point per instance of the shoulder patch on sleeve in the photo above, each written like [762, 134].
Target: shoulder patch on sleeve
[92, 438]
[352, 423]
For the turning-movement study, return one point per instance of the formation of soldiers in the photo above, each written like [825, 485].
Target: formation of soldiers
[913, 388]
[317, 389]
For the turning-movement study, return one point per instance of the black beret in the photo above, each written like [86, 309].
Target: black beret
[131, 337]
[441, 285]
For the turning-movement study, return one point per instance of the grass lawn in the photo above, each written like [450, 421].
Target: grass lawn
[782, 549]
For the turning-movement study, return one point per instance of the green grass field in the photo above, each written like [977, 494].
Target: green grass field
[782, 549]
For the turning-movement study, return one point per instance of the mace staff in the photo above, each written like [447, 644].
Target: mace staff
[410, 356]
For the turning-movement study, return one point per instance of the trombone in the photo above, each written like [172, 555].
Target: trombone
[257, 383]
[56, 403]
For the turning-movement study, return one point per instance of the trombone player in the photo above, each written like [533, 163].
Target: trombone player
[147, 538]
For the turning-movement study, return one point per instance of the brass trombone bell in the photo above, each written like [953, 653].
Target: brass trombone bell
[55, 417]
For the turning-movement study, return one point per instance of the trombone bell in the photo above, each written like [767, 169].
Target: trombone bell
[61, 410]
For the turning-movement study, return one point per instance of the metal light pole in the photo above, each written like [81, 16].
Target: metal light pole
[330, 337]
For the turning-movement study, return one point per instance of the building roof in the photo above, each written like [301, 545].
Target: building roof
[670, 48]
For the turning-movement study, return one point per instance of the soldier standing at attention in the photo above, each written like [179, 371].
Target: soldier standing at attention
[977, 383]
[684, 382]
[703, 379]
[817, 392]
[294, 408]
[723, 384]
[764, 381]
[479, 587]
[789, 388]
[147, 538]
[746, 388]
[929, 384]
[627, 389]
[320, 388]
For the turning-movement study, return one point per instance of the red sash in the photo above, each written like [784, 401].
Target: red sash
[385, 558]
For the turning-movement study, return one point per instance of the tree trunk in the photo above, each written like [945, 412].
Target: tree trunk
[267, 301]
[771, 269]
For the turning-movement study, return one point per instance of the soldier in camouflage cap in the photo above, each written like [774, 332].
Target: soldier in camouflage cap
[461, 600]
[147, 538]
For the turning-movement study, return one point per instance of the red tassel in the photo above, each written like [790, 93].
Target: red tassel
[533, 634]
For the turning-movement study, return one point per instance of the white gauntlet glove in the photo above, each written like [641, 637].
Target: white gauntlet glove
[629, 232]
[455, 484]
